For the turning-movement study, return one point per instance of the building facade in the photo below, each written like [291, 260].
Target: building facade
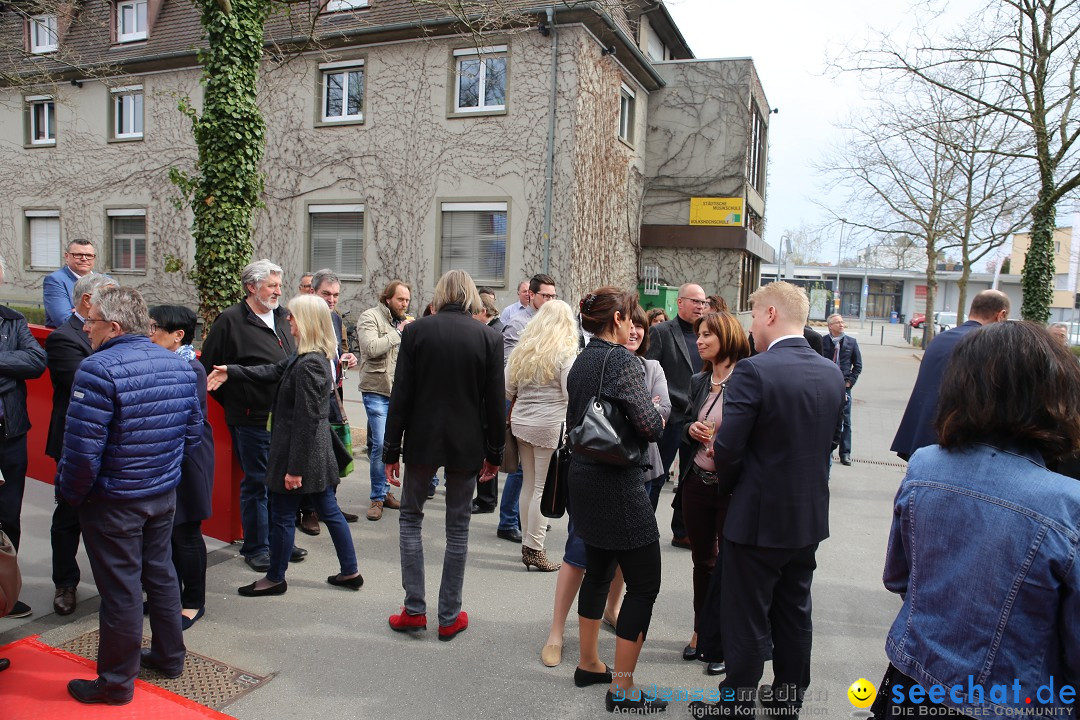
[399, 144]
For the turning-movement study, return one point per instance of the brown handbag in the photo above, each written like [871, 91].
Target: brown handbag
[10, 577]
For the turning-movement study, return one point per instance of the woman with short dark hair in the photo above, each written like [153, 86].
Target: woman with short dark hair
[721, 342]
[173, 328]
[609, 505]
[985, 539]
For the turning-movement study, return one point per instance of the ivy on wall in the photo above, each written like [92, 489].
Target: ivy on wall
[225, 187]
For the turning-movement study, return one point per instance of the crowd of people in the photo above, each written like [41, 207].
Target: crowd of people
[752, 416]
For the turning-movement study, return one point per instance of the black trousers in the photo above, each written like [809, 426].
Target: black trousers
[189, 559]
[13, 466]
[641, 571]
[487, 494]
[128, 542]
[765, 598]
[64, 534]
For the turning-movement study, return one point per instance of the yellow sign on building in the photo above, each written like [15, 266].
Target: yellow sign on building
[718, 212]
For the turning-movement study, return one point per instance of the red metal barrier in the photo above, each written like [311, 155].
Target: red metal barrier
[224, 524]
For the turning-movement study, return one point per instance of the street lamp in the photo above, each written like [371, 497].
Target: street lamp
[839, 255]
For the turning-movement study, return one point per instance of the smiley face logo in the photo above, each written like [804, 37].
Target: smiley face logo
[861, 693]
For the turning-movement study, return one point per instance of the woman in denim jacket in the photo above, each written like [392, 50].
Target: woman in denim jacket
[984, 542]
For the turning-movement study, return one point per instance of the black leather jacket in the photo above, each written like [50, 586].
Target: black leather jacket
[21, 359]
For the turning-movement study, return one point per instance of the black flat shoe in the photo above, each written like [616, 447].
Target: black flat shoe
[585, 678]
[147, 662]
[715, 668]
[641, 703]
[186, 622]
[298, 554]
[93, 691]
[689, 653]
[353, 583]
[250, 591]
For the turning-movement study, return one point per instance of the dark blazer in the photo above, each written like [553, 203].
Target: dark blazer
[194, 494]
[699, 393]
[448, 396]
[917, 426]
[65, 348]
[774, 444]
[21, 359]
[666, 346]
[301, 441]
[850, 356]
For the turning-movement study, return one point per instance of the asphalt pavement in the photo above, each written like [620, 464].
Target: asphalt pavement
[332, 654]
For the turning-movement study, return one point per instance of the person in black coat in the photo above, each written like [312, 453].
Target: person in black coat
[305, 455]
[458, 425]
[917, 426]
[843, 350]
[173, 328]
[608, 504]
[782, 411]
[65, 349]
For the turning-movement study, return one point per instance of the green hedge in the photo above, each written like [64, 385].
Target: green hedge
[34, 315]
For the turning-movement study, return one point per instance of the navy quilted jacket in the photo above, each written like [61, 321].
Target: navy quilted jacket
[134, 414]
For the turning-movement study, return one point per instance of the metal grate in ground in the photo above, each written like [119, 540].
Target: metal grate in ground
[864, 461]
[205, 681]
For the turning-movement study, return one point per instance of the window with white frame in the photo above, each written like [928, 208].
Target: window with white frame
[480, 83]
[127, 236]
[626, 114]
[342, 91]
[127, 111]
[43, 36]
[339, 5]
[337, 238]
[130, 20]
[41, 114]
[474, 240]
[43, 230]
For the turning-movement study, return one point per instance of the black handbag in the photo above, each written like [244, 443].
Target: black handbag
[553, 500]
[604, 433]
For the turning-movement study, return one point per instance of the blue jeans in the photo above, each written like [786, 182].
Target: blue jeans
[251, 443]
[459, 493]
[376, 405]
[283, 508]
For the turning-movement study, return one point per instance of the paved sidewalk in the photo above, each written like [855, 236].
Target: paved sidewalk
[332, 654]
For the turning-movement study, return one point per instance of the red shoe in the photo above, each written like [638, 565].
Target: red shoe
[447, 632]
[404, 622]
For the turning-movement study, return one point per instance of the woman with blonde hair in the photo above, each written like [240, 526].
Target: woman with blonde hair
[303, 459]
[536, 387]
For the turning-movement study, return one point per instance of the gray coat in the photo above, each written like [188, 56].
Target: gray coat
[301, 441]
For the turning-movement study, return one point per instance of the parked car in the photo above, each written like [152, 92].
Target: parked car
[918, 320]
[945, 321]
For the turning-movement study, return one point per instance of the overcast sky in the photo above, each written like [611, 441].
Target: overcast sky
[789, 41]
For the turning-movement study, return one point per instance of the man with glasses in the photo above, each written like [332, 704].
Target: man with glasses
[541, 289]
[674, 345]
[133, 418]
[305, 284]
[844, 351]
[57, 287]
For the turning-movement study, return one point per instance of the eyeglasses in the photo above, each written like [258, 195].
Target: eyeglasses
[87, 321]
[547, 296]
[305, 286]
[153, 327]
[83, 256]
[699, 303]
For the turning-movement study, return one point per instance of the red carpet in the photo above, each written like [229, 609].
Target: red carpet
[35, 688]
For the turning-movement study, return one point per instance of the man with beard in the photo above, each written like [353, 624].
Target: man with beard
[379, 330]
[254, 331]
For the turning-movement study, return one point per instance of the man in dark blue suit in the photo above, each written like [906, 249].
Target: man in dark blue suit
[782, 410]
[917, 426]
[65, 349]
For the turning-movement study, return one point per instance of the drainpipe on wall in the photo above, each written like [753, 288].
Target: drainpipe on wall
[550, 177]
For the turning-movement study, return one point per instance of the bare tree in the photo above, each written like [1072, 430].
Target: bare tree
[1028, 52]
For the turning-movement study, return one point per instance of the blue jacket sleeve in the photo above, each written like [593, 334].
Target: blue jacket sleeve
[57, 301]
[89, 417]
[897, 573]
